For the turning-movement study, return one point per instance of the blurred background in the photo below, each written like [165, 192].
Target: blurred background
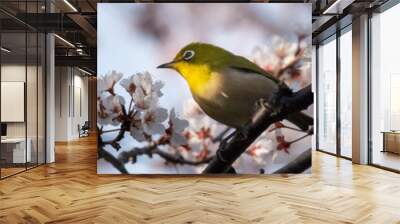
[138, 37]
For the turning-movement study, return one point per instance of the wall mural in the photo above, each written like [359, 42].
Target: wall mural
[204, 88]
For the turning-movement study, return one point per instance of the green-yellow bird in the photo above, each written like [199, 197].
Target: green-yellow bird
[226, 86]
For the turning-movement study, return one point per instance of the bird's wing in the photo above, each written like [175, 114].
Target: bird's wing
[244, 65]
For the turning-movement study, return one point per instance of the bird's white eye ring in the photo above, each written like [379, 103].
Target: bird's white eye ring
[187, 55]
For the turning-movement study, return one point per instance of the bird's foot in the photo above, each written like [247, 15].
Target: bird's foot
[225, 140]
[275, 100]
[243, 132]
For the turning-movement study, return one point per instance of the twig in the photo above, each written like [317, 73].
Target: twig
[298, 139]
[287, 127]
[286, 102]
[153, 150]
[179, 159]
[111, 130]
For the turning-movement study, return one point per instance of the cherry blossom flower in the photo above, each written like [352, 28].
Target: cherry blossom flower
[260, 150]
[265, 58]
[176, 127]
[283, 48]
[152, 120]
[203, 154]
[110, 109]
[282, 143]
[144, 82]
[143, 90]
[129, 84]
[137, 128]
[107, 82]
[143, 101]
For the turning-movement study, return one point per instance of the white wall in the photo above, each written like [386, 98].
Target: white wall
[71, 102]
[12, 73]
[61, 103]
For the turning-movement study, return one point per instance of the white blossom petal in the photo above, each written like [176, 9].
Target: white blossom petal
[152, 119]
[136, 128]
[108, 81]
[178, 125]
[110, 109]
[143, 102]
[178, 139]
[129, 84]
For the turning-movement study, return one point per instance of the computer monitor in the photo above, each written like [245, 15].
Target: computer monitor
[3, 129]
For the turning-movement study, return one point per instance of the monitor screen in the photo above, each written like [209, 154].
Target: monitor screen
[3, 129]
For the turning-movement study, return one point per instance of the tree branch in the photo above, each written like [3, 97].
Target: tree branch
[281, 104]
[111, 159]
[301, 163]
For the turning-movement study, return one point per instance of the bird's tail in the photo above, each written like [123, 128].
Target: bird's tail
[301, 120]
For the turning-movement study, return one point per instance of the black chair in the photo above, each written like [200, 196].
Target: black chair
[84, 130]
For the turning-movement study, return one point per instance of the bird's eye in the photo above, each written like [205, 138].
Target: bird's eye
[187, 55]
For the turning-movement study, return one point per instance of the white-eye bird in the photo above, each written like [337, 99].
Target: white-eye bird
[227, 86]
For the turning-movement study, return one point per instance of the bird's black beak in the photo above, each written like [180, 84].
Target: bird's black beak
[167, 65]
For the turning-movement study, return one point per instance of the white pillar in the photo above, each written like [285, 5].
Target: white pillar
[50, 99]
[360, 90]
[50, 91]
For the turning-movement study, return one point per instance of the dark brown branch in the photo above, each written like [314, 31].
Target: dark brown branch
[112, 160]
[299, 165]
[284, 102]
[102, 153]
[124, 127]
[119, 136]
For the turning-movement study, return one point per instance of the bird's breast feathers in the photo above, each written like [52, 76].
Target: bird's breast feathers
[229, 95]
[197, 76]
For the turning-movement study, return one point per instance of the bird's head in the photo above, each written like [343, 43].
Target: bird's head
[198, 59]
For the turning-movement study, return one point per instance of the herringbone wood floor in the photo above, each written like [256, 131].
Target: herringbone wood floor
[70, 191]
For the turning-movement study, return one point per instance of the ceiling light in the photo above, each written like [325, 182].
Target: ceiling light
[70, 5]
[5, 50]
[65, 41]
[337, 7]
[84, 71]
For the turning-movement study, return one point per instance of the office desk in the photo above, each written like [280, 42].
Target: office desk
[391, 141]
[13, 150]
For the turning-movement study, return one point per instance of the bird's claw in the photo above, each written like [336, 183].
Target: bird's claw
[276, 97]
[243, 132]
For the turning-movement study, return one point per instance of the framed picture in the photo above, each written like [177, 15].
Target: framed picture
[195, 88]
